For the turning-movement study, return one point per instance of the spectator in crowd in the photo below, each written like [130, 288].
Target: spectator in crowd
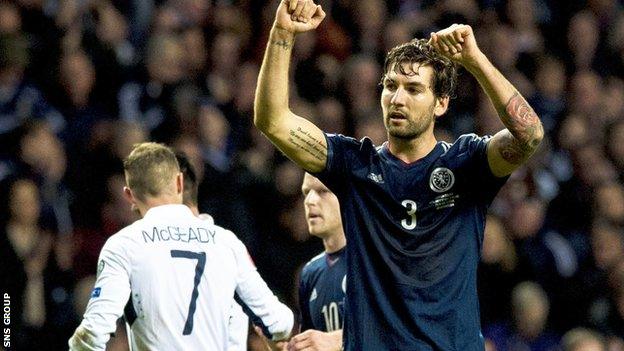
[528, 329]
[31, 253]
[148, 101]
[581, 339]
[79, 105]
[20, 100]
[43, 156]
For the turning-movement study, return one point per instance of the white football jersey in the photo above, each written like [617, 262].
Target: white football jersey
[175, 275]
[238, 324]
[238, 328]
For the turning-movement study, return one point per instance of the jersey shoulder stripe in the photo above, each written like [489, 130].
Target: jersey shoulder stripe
[314, 259]
[315, 266]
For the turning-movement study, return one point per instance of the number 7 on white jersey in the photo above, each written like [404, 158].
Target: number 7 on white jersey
[199, 271]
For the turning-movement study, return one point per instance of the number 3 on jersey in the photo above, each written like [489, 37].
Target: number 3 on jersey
[409, 223]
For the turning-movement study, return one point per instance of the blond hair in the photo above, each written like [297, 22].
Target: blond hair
[150, 169]
[577, 337]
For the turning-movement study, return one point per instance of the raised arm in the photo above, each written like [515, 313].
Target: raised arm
[510, 147]
[295, 136]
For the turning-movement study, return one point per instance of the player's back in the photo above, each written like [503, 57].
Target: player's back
[182, 274]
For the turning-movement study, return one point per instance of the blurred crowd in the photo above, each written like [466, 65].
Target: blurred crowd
[81, 81]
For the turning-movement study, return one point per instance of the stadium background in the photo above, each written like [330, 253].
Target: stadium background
[81, 81]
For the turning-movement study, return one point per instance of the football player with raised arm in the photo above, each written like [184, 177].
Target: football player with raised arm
[172, 274]
[413, 208]
[322, 285]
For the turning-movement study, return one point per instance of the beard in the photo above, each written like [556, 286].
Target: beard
[413, 128]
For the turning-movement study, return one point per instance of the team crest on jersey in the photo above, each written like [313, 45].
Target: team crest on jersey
[441, 180]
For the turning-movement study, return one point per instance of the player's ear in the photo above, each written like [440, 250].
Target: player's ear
[179, 183]
[441, 105]
[129, 196]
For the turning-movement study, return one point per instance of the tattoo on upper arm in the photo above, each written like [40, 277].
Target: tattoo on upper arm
[302, 140]
[512, 150]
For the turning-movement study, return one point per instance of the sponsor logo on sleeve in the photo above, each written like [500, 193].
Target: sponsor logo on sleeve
[96, 292]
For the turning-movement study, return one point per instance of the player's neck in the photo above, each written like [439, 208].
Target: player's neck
[412, 150]
[158, 201]
[335, 242]
[194, 209]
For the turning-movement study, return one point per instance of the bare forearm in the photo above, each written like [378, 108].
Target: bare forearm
[295, 136]
[272, 91]
[513, 110]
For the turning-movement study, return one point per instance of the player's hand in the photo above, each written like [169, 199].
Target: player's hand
[271, 345]
[458, 43]
[298, 16]
[314, 340]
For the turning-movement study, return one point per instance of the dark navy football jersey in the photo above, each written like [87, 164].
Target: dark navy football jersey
[414, 234]
[322, 292]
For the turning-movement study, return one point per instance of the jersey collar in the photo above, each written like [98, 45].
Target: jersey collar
[437, 150]
[168, 211]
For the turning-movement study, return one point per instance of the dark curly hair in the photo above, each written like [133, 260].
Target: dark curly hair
[421, 52]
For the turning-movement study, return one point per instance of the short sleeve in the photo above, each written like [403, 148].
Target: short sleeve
[486, 184]
[343, 153]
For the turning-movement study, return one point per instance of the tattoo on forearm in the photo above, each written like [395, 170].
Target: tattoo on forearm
[304, 141]
[282, 43]
[525, 126]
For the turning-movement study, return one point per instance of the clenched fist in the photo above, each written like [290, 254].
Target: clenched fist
[458, 43]
[298, 16]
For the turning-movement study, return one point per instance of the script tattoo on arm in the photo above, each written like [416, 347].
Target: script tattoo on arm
[282, 43]
[525, 127]
[302, 140]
